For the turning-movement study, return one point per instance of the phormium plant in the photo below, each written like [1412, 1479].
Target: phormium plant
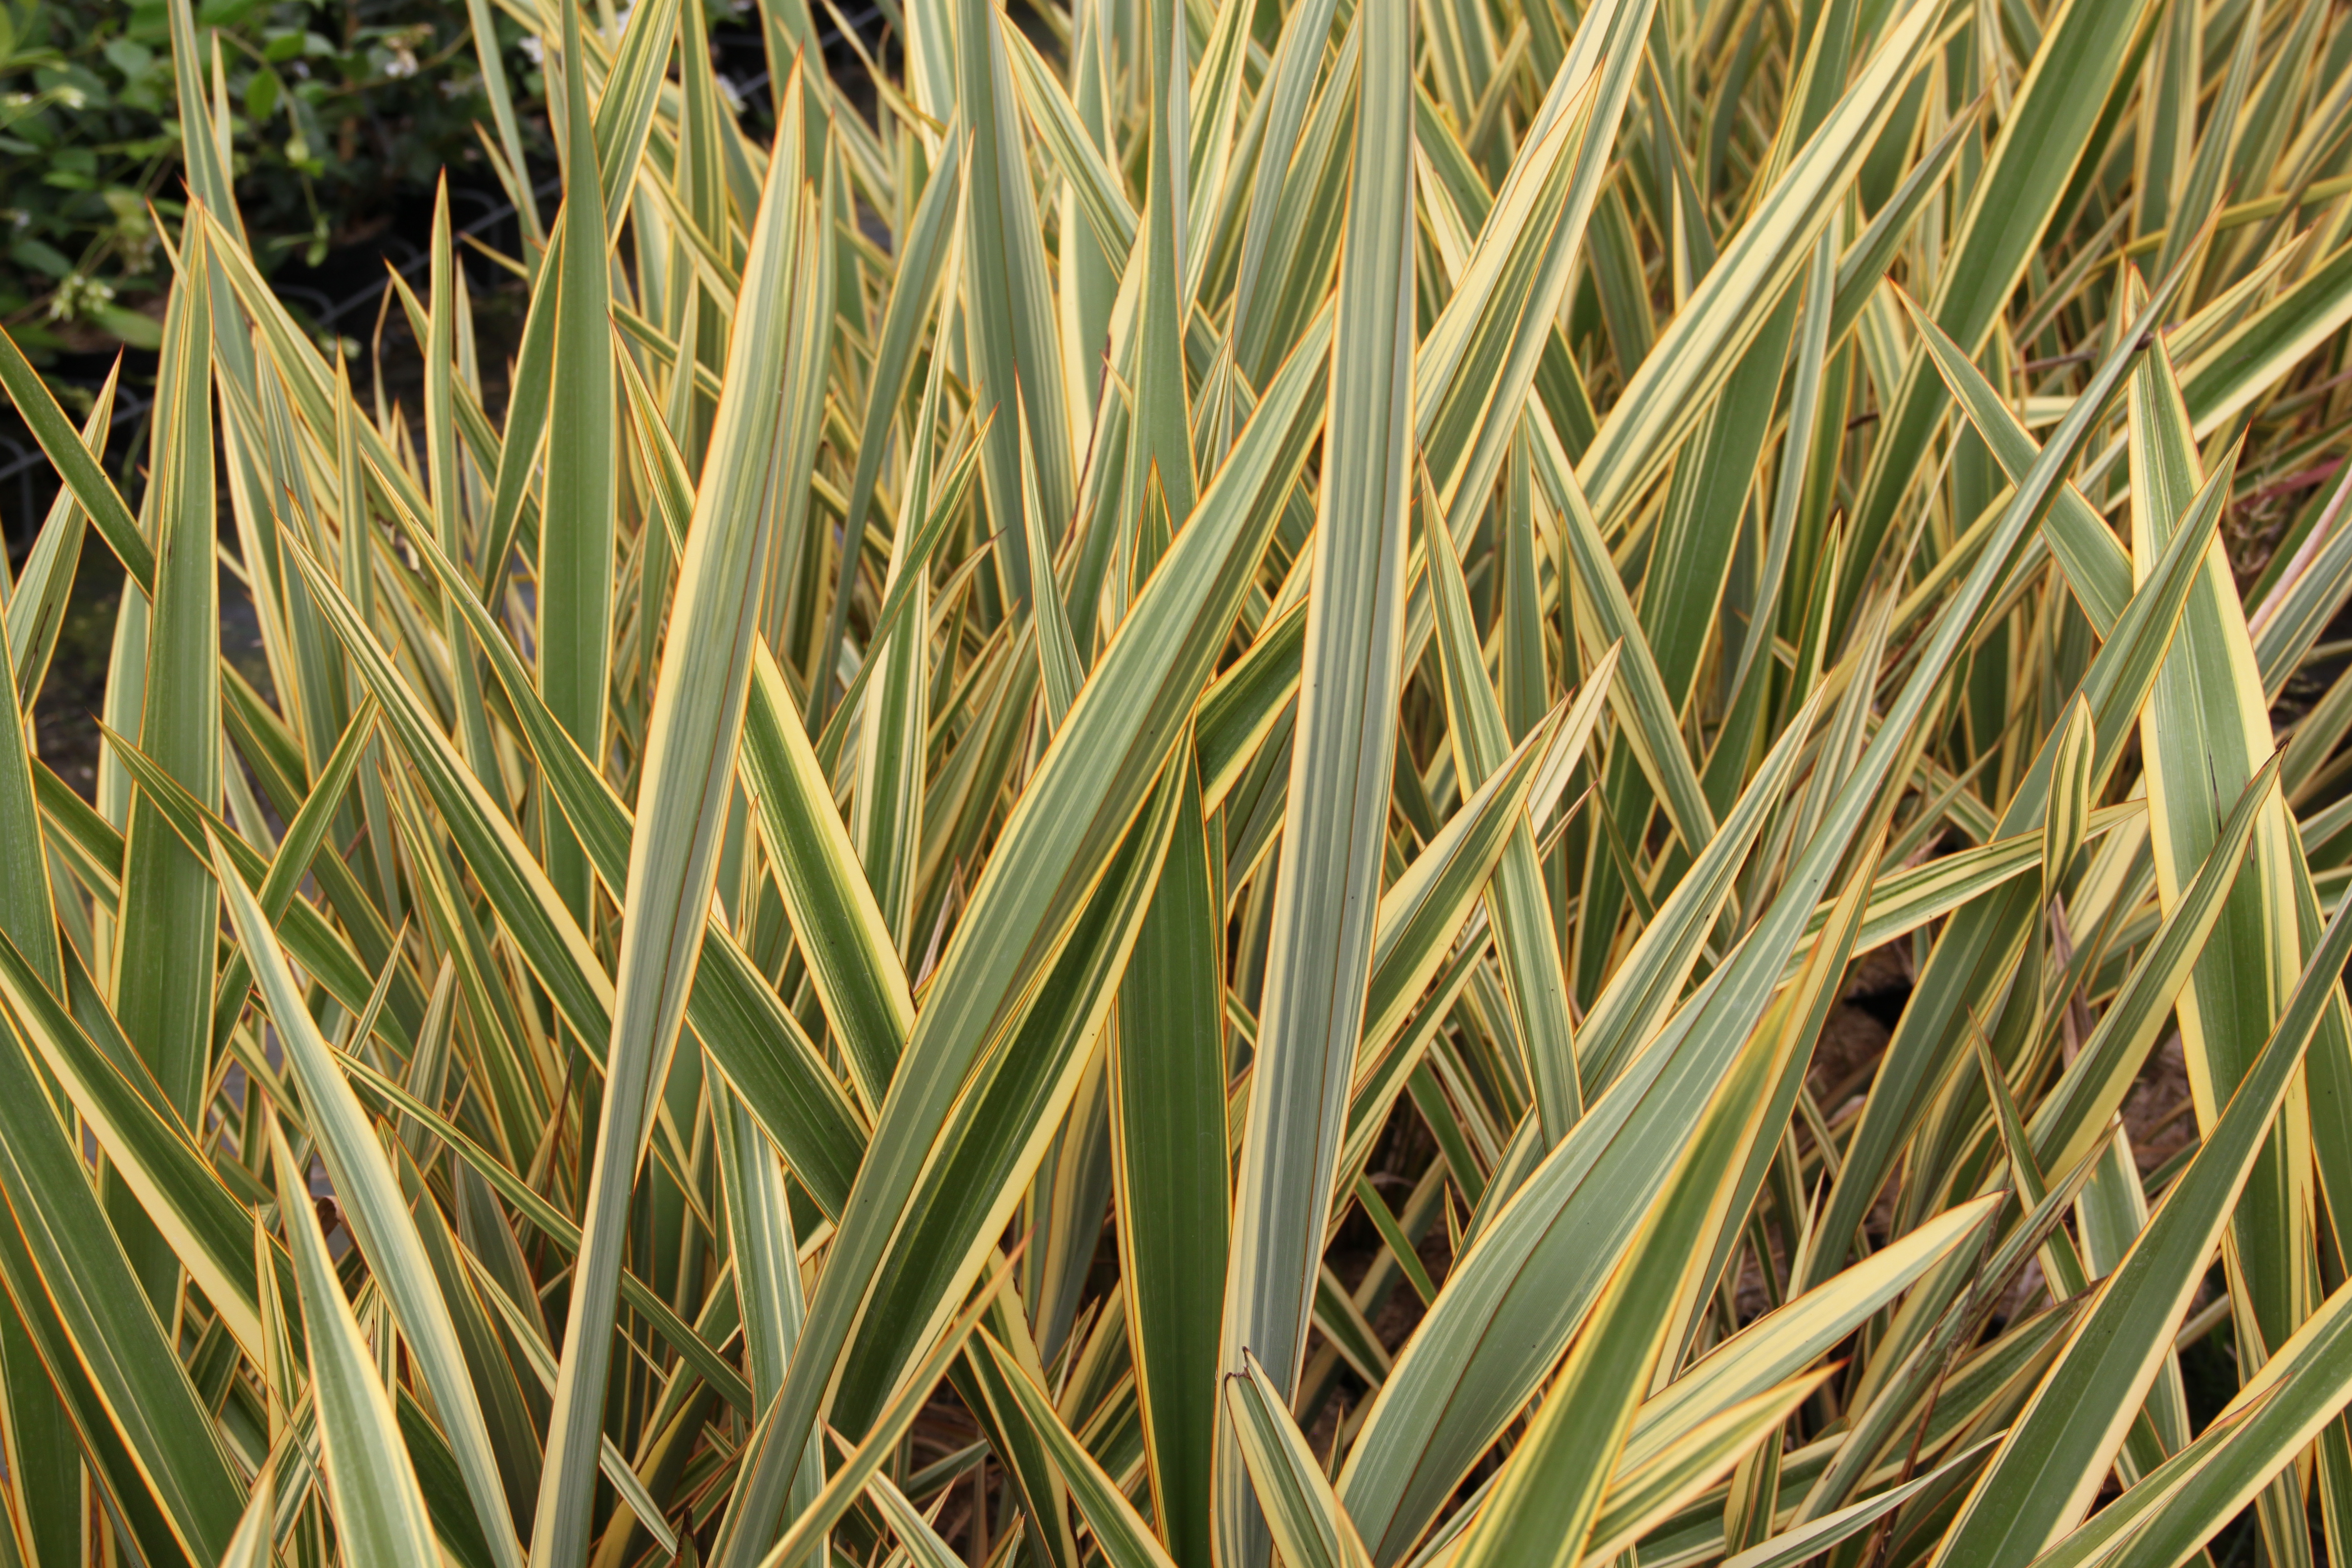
[1119, 817]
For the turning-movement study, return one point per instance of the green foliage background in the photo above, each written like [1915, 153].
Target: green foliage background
[336, 107]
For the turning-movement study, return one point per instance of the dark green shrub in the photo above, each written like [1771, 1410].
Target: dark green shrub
[336, 105]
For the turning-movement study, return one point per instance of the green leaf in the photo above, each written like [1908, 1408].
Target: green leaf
[577, 522]
[2095, 565]
[2276, 1414]
[1671, 388]
[1118, 1529]
[2058, 1451]
[76, 464]
[2073, 1115]
[1327, 880]
[380, 1518]
[138, 1387]
[371, 1196]
[163, 974]
[1981, 942]
[1168, 1143]
[624, 111]
[27, 918]
[689, 774]
[808, 1528]
[1075, 810]
[1548, 1497]
[929, 258]
[1513, 1300]
[38, 605]
[1310, 1527]
[1009, 328]
[2082, 48]
[1519, 904]
[733, 1011]
[1810, 1539]
[852, 959]
[148, 1148]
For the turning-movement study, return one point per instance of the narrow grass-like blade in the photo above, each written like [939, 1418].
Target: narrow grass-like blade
[1168, 1143]
[138, 1387]
[2043, 1479]
[2051, 121]
[1549, 1495]
[380, 1517]
[369, 1193]
[852, 957]
[688, 775]
[1309, 1527]
[1328, 876]
[1077, 808]
[576, 526]
[1118, 1529]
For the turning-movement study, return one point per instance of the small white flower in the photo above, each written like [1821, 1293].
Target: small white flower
[533, 50]
[77, 296]
[403, 62]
